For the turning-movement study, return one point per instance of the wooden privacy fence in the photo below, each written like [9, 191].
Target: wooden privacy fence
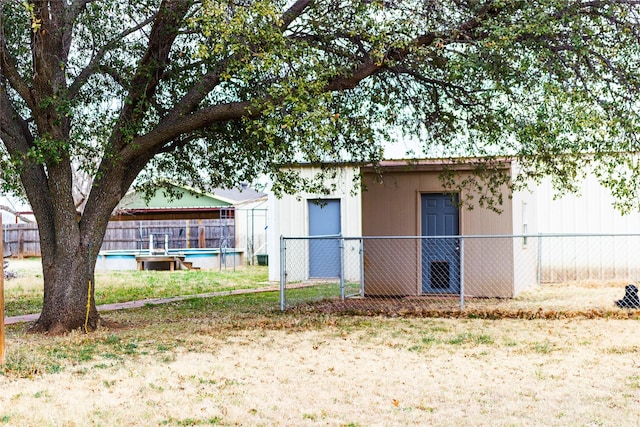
[22, 240]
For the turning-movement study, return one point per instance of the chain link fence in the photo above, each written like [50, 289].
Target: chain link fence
[515, 275]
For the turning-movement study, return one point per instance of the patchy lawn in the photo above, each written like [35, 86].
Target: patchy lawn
[181, 366]
[238, 360]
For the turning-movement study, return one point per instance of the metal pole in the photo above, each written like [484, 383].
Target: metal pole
[361, 267]
[539, 259]
[253, 234]
[461, 273]
[283, 264]
[342, 268]
[1, 296]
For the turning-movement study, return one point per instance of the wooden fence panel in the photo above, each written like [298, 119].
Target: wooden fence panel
[181, 234]
[23, 239]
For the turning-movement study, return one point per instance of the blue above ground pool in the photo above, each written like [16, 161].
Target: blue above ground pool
[203, 258]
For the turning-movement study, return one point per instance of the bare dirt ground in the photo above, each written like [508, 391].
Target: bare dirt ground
[384, 372]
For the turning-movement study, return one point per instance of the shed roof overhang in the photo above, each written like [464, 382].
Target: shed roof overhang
[437, 165]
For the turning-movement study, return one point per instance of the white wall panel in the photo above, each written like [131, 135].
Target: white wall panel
[288, 217]
[590, 211]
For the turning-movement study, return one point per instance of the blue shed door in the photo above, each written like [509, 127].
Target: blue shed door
[440, 257]
[324, 254]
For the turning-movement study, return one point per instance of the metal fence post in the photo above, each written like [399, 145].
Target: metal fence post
[461, 273]
[539, 259]
[342, 268]
[283, 265]
[361, 267]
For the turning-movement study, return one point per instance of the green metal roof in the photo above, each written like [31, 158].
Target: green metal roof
[161, 200]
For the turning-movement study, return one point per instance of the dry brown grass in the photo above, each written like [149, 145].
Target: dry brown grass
[332, 371]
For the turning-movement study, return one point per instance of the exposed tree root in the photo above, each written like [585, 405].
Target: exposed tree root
[59, 328]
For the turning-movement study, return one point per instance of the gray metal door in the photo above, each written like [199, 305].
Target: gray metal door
[440, 257]
[324, 254]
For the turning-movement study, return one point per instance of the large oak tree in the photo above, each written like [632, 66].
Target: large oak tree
[212, 93]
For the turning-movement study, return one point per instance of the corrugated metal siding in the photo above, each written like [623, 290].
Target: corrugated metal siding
[289, 216]
[590, 211]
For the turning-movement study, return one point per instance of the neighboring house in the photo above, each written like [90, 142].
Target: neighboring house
[191, 220]
[231, 215]
[185, 219]
[184, 203]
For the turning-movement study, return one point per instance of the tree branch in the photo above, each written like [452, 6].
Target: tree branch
[294, 12]
[77, 6]
[151, 68]
[9, 71]
[370, 67]
[175, 125]
[94, 64]
[14, 130]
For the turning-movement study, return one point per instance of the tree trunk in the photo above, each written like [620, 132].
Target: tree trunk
[69, 302]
